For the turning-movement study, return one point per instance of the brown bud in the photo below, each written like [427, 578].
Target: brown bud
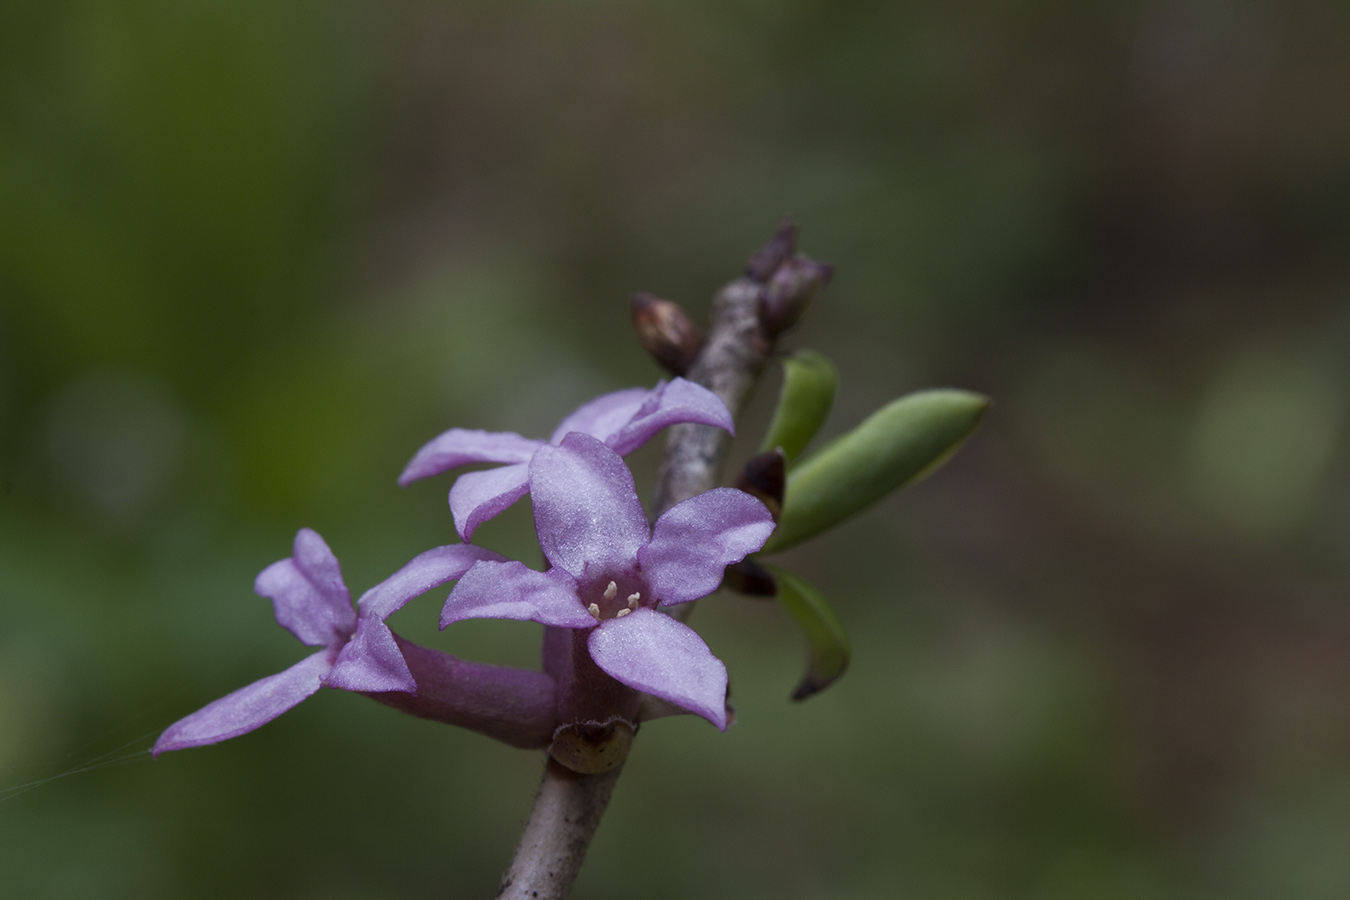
[766, 260]
[665, 331]
[765, 476]
[750, 578]
[793, 287]
[592, 747]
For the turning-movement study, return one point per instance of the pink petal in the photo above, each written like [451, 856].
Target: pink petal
[371, 661]
[249, 707]
[649, 651]
[420, 574]
[696, 540]
[668, 404]
[512, 590]
[586, 510]
[460, 446]
[307, 592]
[476, 497]
[602, 416]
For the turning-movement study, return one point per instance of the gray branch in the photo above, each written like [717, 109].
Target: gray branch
[566, 812]
[729, 366]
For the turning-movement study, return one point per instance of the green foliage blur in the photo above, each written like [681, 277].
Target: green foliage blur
[253, 255]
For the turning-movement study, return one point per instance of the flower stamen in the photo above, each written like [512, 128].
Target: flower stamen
[621, 613]
[594, 610]
[633, 599]
[611, 591]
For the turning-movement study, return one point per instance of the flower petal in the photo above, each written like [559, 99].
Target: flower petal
[249, 707]
[420, 574]
[694, 541]
[676, 401]
[460, 446]
[512, 590]
[604, 415]
[371, 661]
[307, 593]
[649, 651]
[476, 497]
[586, 510]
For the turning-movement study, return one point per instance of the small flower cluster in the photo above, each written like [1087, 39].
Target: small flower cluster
[610, 658]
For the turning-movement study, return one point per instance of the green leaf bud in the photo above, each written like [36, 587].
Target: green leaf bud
[897, 445]
[827, 644]
[809, 381]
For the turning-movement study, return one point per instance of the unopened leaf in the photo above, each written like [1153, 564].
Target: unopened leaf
[803, 403]
[897, 445]
[827, 644]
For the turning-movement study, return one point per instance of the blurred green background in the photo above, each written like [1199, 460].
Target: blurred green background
[253, 255]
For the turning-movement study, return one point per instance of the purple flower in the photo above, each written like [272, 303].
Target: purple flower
[624, 420]
[358, 651]
[610, 571]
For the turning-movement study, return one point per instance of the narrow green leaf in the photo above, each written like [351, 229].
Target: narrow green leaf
[897, 445]
[827, 644]
[803, 403]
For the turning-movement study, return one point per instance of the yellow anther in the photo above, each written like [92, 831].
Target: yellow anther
[594, 609]
[633, 599]
[621, 613]
[611, 591]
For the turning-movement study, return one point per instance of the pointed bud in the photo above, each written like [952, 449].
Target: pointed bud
[793, 287]
[764, 477]
[750, 578]
[665, 331]
[766, 260]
